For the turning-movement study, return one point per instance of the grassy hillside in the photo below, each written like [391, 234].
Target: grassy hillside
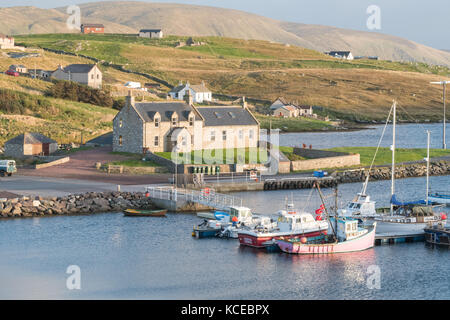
[59, 119]
[359, 90]
[193, 20]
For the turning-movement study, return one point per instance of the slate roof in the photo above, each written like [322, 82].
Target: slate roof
[30, 138]
[199, 88]
[79, 68]
[150, 30]
[148, 110]
[226, 116]
[178, 88]
[92, 25]
[339, 53]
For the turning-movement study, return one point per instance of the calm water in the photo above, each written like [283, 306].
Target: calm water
[158, 259]
[408, 136]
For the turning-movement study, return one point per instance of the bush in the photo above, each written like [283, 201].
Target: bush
[13, 102]
[81, 93]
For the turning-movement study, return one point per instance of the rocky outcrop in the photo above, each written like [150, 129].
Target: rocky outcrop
[384, 173]
[88, 203]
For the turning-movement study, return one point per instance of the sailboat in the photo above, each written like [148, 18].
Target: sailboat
[406, 217]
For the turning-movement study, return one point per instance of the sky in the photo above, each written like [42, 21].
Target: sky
[417, 20]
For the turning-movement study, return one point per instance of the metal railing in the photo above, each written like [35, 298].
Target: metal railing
[207, 197]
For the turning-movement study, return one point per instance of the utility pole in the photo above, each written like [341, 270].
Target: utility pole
[393, 155]
[444, 85]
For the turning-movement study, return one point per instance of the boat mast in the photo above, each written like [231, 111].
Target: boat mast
[326, 210]
[393, 155]
[428, 162]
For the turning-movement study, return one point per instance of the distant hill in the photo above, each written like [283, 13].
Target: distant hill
[190, 20]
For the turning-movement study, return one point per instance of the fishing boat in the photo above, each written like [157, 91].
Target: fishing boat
[439, 197]
[438, 234]
[144, 213]
[351, 237]
[288, 223]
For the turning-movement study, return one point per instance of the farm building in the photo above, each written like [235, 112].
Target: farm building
[151, 33]
[92, 28]
[30, 144]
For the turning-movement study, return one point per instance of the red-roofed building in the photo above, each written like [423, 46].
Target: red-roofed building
[92, 28]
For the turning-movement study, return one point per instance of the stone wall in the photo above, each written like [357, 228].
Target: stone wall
[316, 153]
[329, 162]
[88, 203]
[56, 161]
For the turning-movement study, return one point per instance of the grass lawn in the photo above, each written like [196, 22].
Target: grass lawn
[134, 161]
[293, 124]
[384, 155]
[221, 156]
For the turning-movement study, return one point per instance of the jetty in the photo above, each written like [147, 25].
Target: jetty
[393, 238]
[187, 200]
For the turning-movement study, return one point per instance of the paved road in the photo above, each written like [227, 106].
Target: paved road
[82, 167]
[55, 187]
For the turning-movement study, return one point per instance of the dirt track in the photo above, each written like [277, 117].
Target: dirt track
[82, 167]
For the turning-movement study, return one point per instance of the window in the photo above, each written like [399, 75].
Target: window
[250, 134]
[156, 141]
[241, 134]
[98, 76]
[156, 122]
[213, 135]
[92, 76]
[120, 123]
[183, 141]
[120, 140]
[224, 135]
[191, 121]
[174, 121]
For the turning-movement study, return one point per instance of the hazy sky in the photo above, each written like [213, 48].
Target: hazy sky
[418, 20]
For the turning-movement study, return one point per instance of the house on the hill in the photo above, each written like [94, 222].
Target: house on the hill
[88, 74]
[30, 144]
[18, 68]
[283, 108]
[6, 42]
[87, 28]
[164, 126]
[200, 92]
[151, 33]
[341, 54]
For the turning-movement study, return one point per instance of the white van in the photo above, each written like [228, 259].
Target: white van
[7, 167]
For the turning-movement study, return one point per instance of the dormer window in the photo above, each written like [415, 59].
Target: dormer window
[156, 122]
[174, 120]
[191, 121]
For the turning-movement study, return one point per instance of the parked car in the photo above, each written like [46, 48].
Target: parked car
[7, 167]
[12, 73]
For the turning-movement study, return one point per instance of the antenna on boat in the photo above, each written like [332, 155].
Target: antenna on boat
[326, 210]
[394, 119]
[363, 192]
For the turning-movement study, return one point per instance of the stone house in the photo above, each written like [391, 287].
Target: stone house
[87, 74]
[200, 92]
[30, 144]
[87, 28]
[286, 111]
[151, 33]
[164, 126]
[6, 42]
[305, 111]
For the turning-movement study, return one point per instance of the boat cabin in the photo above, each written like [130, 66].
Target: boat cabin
[243, 214]
[361, 205]
[288, 220]
[347, 229]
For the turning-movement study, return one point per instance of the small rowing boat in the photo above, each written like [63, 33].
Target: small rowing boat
[144, 213]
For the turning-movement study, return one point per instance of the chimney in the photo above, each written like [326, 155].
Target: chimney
[188, 97]
[244, 103]
[129, 99]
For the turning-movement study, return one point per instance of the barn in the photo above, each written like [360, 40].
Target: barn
[30, 144]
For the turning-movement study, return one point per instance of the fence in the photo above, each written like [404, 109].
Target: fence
[207, 197]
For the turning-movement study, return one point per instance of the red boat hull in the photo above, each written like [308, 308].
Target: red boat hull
[257, 241]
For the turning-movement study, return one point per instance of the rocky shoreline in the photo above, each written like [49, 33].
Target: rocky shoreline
[438, 168]
[88, 203]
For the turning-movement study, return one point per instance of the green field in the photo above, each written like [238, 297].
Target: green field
[384, 156]
[293, 124]
[220, 156]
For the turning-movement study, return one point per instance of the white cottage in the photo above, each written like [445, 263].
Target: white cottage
[200, 93]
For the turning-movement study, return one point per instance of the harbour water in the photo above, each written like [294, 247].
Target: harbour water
[157, 258]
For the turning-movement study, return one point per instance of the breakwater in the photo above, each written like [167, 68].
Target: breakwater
[437, 168]
[87, 203]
